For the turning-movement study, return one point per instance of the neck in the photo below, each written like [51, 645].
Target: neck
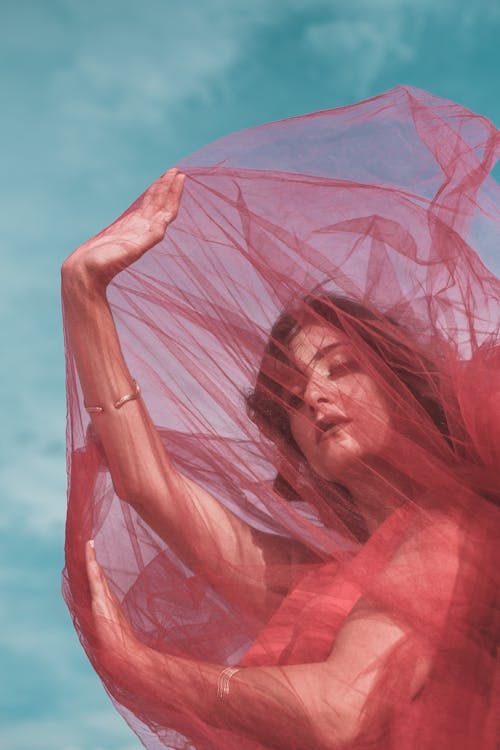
[377, 491]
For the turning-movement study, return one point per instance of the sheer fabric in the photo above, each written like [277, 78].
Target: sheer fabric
[365, 222]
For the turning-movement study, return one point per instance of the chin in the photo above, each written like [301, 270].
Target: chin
[346, 460]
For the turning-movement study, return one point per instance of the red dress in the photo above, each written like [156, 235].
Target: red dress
[453, 628]
[388, 203]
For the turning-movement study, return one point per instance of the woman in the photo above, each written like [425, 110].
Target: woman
[381, 483]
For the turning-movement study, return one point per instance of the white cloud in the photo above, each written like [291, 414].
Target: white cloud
[114, 73]
[363, 39]
[133, 65]
[88, 80]
[358, 49]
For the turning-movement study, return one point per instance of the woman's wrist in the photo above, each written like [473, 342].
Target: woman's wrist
[79, 282]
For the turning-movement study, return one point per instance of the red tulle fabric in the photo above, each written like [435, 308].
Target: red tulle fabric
[387, 204]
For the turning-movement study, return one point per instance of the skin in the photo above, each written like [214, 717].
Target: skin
[343, 423]
[336, 388]
[203, 533]
[304, 705]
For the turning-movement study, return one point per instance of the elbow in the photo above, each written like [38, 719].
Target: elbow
[123, 492]
[149, 500]
[128, 491]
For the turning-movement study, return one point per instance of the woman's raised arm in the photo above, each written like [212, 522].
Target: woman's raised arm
[203, 533]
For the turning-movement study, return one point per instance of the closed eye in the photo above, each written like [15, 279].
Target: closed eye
[294, 395]
[339, 369]
[295, 400]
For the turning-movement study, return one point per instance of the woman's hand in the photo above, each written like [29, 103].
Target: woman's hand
[120, 646]
[135, 232]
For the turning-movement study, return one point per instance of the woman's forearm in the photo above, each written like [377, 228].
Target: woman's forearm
[132, 446]
[285, 708]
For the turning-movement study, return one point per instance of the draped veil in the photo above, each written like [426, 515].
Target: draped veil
[388, 203]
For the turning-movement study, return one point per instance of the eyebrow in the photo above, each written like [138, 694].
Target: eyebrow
[325, 349]
[320, 354]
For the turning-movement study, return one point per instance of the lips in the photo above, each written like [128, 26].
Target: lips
[328, 425]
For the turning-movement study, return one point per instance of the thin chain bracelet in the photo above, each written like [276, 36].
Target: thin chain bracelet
[121, 401]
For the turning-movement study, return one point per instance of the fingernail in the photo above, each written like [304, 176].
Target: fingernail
[91, 543]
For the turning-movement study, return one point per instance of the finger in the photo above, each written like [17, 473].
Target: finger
[92, 569]
[97, 580]
[174, 196]
[177, 188]
[155, 194]
[163, 187]
[170, 173]
[166, 210]
[104, 603]
[164, 184]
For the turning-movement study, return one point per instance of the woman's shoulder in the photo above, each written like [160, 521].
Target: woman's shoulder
[419, 577]
[443, 552]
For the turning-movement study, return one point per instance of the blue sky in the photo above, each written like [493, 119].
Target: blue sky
[98, 99]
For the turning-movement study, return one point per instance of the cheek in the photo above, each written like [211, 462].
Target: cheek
[302, 430]
[372, 411]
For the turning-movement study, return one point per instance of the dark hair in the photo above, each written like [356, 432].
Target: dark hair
[408, 369]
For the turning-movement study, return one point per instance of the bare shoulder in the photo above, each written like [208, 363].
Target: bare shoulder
[424, 569]
[434, 533]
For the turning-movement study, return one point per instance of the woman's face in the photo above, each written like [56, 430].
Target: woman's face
[339, 416]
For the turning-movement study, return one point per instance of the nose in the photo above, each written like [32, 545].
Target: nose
[314, 393]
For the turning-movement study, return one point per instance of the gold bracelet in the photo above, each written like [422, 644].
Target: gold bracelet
[118, 404]
[224, 680]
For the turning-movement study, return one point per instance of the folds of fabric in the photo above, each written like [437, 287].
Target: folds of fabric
[387, 205]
